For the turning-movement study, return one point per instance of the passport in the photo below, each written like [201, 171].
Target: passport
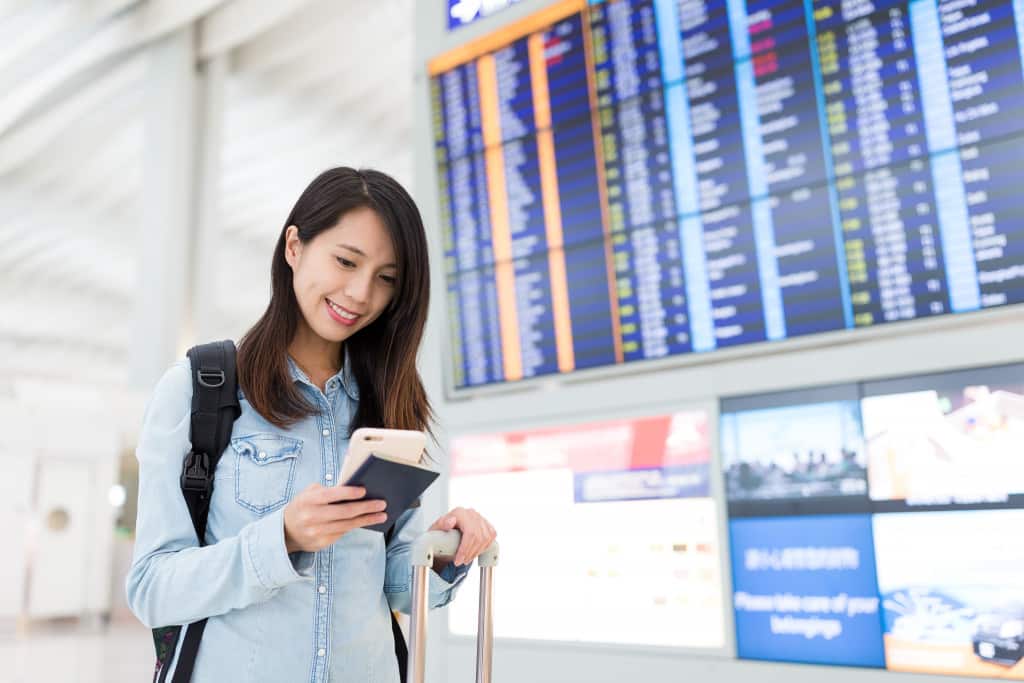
[399, 482]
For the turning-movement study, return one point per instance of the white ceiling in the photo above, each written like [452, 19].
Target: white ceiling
[311, 84]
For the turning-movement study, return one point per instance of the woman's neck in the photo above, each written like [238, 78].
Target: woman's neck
[318, 358]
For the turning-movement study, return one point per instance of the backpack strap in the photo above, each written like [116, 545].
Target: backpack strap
[401, 649]
[214, 410]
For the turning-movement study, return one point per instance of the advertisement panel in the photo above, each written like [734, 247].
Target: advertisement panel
[953, 591]
[607, 529]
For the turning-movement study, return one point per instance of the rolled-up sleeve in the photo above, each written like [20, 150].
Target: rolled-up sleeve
[172, 580]
[398, 575]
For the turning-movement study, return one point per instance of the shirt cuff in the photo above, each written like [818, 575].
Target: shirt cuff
[273, 566]
[302, 562]
[449, 576]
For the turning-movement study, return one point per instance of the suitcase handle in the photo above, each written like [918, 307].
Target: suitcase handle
[446, 543]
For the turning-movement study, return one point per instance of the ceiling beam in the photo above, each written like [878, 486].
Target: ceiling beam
[239, 21]
[125, 33]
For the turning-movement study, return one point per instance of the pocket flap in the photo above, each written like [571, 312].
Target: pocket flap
[263, 449]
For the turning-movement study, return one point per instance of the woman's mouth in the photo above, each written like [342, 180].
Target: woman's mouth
[341, 315]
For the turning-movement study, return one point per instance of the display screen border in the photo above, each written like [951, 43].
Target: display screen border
[717, 493]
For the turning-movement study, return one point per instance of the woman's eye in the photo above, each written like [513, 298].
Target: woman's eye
[345, 262]
[390, 279]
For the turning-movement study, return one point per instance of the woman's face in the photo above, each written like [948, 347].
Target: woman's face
[344, 277]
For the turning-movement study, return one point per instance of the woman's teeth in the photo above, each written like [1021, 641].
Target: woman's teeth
[341, 311]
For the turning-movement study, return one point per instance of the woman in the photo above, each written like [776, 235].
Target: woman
[294, 588]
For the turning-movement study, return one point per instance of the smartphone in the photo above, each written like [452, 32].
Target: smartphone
[397, 444]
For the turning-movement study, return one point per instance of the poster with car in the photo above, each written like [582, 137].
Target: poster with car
[952, 590]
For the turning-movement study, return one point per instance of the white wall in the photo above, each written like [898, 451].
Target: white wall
[983, 338]
[70, 463]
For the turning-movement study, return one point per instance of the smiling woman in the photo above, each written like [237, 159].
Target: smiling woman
[332, 277]
[290, 583]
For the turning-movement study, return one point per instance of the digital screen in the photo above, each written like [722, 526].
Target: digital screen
[607, 529]
[957, 438]
[919, 480]
[953, 592]
[635, 179]
[804, 590]
[465, 12]
[813, 450]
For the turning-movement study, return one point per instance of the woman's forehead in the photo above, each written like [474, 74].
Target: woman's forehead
[363, 232]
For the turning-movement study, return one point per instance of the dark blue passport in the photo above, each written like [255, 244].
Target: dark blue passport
[400, 483]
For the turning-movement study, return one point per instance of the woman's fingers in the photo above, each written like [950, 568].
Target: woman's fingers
[333, 530]
[338, 494]
[326, 514]
[477, 535]
[320, 514]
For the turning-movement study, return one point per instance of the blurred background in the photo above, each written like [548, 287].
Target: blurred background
[732, 287]
[137, 137]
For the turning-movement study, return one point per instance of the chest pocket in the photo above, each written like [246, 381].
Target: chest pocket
[264, 470]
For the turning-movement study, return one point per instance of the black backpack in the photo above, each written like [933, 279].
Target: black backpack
[214, 410]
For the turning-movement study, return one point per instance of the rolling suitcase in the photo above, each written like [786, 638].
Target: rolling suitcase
[423, 551]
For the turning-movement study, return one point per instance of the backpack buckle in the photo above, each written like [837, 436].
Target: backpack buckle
[195, 475]
[211, 379]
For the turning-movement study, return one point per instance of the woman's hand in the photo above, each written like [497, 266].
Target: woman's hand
[320, 515]
[477, 532]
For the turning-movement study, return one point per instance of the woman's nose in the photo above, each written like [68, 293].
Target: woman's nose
[358, 288]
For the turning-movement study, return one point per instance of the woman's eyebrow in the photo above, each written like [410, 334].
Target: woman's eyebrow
[357, 250]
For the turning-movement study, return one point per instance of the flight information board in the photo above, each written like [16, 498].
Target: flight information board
[629, 180]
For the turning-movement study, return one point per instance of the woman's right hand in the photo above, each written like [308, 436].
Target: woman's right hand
[320, 515]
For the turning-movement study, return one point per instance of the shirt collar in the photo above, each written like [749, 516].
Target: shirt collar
[344, 376]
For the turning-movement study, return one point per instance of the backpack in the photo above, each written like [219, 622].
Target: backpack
[214, 410]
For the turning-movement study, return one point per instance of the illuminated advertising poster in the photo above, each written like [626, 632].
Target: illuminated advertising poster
[608, 532]
[953, 439]
[794, 452]
[953, 591]
[805, 590]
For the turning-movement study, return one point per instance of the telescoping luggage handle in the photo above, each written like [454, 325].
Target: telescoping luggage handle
[423, 551]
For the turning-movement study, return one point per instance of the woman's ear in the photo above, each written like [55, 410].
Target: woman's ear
[292, 246]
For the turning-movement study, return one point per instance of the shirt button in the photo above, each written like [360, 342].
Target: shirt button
[321, 652]
[327, 432]
[321, 590]
[328, 477]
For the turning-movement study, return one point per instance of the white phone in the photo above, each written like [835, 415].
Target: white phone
[397, 444]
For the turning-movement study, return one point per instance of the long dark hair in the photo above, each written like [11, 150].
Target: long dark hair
[382, 355]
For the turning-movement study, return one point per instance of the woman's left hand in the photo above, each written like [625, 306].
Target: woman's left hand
[477, 532]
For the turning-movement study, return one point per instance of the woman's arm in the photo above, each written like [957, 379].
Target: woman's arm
[172, 580]
[442, 581]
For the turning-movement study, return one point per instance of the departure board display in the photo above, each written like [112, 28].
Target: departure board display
[629, 180]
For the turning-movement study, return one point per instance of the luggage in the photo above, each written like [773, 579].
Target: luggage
[423, 551]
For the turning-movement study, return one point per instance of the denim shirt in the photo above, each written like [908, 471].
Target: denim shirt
[273, 616]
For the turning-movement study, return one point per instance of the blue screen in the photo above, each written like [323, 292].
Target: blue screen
[804, 590]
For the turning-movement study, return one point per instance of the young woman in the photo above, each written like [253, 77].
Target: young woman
[292, 586]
